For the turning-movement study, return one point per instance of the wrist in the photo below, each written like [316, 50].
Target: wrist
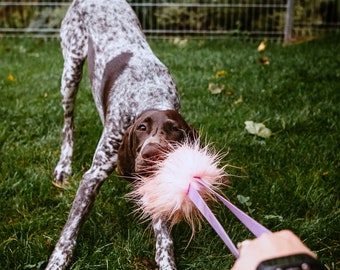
[292, 262]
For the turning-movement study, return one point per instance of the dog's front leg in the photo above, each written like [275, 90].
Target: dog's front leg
[103, 164]
[69, 86]
[82, 204]
[164, 245]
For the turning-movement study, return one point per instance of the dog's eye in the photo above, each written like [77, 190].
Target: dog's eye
[141, 127]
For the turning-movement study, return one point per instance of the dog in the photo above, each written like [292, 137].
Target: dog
[138, 104]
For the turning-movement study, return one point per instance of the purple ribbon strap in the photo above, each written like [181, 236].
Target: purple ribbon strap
[210, 217]
[256, 228]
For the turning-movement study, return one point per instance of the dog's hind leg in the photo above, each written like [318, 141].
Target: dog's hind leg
[164, 245]
[74, 46]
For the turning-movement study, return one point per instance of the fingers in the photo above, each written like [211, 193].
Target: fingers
[243, 244]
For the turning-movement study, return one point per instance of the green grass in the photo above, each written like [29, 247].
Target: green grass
[291, 179]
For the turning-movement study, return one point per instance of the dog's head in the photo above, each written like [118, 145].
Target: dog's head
[146, 141]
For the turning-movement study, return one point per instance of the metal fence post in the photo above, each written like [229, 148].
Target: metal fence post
[289, 21]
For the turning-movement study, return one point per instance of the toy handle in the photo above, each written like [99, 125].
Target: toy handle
[256, 228]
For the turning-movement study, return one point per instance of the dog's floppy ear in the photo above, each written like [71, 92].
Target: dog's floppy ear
[126, 157]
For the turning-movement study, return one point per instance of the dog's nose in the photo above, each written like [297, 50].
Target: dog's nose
[151, 151]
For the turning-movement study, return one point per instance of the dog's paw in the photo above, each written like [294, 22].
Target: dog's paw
[60, 177]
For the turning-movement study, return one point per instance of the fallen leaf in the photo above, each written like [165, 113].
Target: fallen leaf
[215, 88]
[262, 46]
[258, 129]
[230, 92]
[220, 73]
[180, 42]
[57, 184]
[11, 78]
[239, 100]
[264, 60]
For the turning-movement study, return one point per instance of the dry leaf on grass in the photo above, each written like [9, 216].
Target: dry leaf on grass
[230, 92]
[220, 74]
[10, 78]
[262, 46]
[180, 42]
[239, 100]
[258, 129]
[264, 60]
[215, 88]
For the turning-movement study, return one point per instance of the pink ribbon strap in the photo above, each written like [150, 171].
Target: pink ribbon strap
[256, 228]
[210, 217]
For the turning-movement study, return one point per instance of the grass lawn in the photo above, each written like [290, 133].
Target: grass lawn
[288, 181]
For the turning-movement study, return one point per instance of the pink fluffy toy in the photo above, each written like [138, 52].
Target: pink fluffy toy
[188, 176]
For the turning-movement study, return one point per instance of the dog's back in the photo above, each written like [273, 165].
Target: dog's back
[123, 70]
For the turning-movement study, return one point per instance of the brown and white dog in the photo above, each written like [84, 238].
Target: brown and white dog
[137, 102]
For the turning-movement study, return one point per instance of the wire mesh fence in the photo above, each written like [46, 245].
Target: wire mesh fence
[274, 19]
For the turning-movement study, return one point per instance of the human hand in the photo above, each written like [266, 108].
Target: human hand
[269, 246]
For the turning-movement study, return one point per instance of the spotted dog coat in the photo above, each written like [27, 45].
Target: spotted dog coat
[127, 79]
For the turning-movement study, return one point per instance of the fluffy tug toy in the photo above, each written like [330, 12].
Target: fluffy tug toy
[182, 182]
[165, 193]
